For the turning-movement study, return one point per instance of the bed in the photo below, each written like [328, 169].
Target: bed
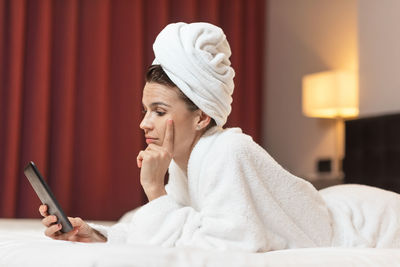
[22, 242]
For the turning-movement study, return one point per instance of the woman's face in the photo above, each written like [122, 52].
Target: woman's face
[161, 103]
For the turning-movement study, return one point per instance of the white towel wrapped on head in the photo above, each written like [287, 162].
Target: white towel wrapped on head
[196, 58]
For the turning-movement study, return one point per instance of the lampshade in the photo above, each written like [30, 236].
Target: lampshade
[330, 94]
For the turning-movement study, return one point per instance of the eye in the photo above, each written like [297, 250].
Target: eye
[160, 113]
[144, 111]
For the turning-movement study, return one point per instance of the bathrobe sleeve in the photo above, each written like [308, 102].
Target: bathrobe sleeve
[232, 207]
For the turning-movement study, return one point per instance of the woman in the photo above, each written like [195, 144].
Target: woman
[224, 190]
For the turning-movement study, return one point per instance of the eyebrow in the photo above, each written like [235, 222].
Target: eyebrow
[154, 104]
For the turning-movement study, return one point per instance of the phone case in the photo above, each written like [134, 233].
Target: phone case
[46, 196]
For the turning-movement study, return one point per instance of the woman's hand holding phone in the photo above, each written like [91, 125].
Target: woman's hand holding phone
[82, 232]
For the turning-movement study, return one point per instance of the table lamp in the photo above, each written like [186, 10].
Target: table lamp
[332, 95]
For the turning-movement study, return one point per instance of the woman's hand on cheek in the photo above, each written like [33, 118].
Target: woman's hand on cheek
[154, 162]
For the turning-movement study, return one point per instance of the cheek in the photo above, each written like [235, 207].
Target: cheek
[161, 127]
[183, 136]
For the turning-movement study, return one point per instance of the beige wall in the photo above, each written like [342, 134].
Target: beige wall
[379, 46]
[303, 37]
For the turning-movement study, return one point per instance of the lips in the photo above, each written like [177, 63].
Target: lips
[150, 140]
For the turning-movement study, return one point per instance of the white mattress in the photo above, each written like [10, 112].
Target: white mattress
[22, 243]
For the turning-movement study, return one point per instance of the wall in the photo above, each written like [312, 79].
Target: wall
[303, 37]
[379, 52]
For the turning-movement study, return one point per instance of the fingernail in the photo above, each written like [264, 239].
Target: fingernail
[59, 225]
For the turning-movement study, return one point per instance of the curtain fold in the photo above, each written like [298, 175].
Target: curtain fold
[34, 139]
[13, 45]
[71, 80]
[63, 99]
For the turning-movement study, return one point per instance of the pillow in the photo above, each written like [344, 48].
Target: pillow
[363, 216]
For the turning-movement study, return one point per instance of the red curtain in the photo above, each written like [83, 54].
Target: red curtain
[71, 76]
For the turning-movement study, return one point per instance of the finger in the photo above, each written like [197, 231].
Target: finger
[67, 236]
[49, 220]
[52, 230]
[76, 222]
[150, 154]
[168, 142]
[139, 159]
[43, 210]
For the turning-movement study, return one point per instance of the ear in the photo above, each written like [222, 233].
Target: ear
[202, 121]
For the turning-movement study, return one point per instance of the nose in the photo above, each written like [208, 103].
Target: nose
[146, 124]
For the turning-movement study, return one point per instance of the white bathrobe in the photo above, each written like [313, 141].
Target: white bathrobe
[236, 197]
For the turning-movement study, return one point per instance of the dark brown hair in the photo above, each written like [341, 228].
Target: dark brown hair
[156, 74]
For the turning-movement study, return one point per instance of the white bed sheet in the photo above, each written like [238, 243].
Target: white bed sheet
[22, 243]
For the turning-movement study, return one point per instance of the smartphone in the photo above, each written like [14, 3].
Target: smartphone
[46, 196]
